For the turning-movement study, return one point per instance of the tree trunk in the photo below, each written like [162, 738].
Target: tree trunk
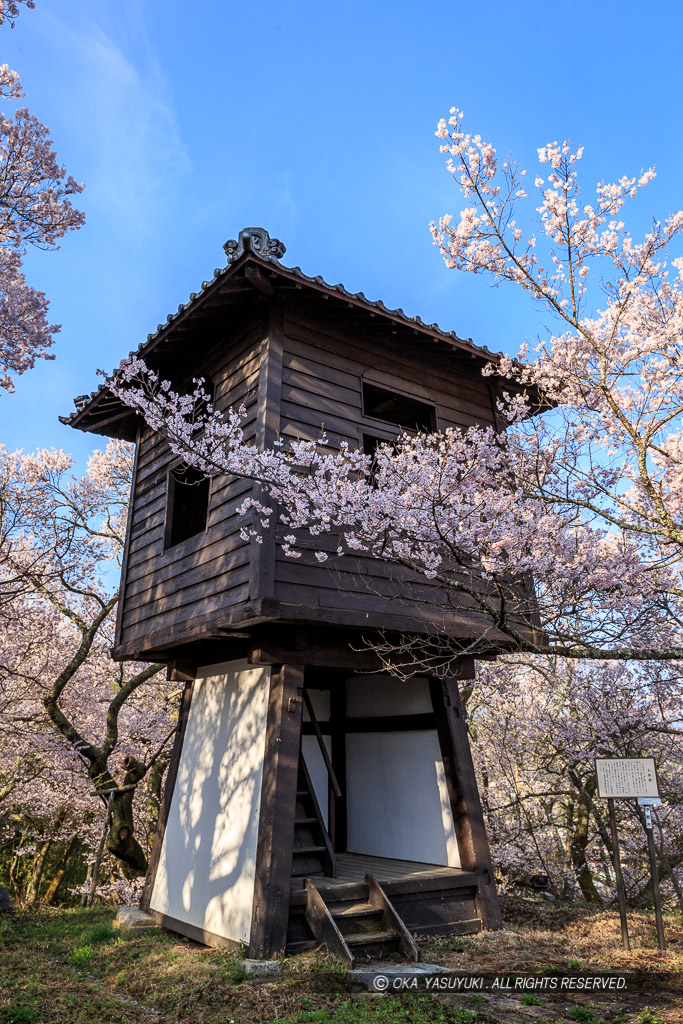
[645, 896]
[677, 890]
[37, 874]
[577, 851]
[62, 867]
[86, 885]
[121, 841]
[154, 781]
[16, 859]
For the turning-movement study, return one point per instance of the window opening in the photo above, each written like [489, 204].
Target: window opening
[372, 443]
[370, 446]
[405, 412]
[188, 504]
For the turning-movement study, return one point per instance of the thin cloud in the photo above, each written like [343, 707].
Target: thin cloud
[122, 113]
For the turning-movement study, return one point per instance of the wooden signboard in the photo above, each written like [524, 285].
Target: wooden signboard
[625, 778]
[631, 778]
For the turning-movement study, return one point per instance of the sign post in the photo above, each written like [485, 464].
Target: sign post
[621, 891]
[628, 778]
[655, 874]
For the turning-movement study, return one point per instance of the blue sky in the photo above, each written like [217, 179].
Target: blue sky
[189, 121]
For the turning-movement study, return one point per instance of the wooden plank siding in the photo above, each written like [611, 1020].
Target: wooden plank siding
[323, 370]
[207, 575]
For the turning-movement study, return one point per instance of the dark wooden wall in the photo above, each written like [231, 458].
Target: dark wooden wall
[167, 593]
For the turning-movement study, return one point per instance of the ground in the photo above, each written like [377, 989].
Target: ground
[71, 967]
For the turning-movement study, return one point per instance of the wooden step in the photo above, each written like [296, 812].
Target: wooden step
[338, 892]
[370, 945]
[353, 910]
[309, 849]
[357, 917]
[305, 821]
[369, 938]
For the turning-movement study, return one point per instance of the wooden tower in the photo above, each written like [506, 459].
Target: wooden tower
[310, 796]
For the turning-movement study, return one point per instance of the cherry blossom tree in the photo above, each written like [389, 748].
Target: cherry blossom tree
[35, 209]
[9, 9]
[78, 730]
[536, 724]
[449, 507]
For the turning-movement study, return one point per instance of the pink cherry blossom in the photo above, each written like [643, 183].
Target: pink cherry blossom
[72, 722]
[35, 209]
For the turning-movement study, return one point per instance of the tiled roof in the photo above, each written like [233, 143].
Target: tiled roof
[256, 244]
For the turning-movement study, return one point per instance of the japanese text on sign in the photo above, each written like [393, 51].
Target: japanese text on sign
[626, 777]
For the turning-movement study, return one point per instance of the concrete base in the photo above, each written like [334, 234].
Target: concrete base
[130, 920]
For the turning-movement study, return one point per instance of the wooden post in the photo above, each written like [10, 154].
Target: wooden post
[277, 812]
[118, 629]
[468, 817]
[661, 938]
[616, 860]
[338, 725]
[176, 671]
[262, 566]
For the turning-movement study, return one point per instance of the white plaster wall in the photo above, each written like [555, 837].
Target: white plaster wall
[208, 859]
[320, 699]
[397, 799]
[317, 770]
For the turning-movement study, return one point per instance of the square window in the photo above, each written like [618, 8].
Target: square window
[187, 508]
[401, 410]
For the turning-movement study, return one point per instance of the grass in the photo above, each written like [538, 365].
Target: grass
[80, 956]
[551, 937]
[412, 1010]
[72, 967]
[582, 1015]
[649, 1016]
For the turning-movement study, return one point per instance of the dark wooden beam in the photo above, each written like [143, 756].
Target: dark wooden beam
[262, 576]
[328, 655]
[158, 644]
[375, 723]
[461, 781]
[169, 786]
[126, 545]
[277, 813]
[338, 805]
[181, 670]
[254, 275]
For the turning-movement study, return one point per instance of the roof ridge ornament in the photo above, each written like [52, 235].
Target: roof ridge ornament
[256, 240]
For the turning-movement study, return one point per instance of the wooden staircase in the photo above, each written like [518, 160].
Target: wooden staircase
[357, 921]
[313, 853]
